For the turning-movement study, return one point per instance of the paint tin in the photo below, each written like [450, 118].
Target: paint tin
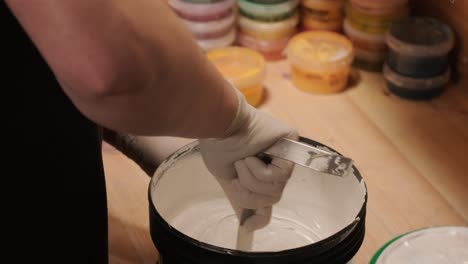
[320, 61]
[244, 68]
[415, 88]
[432, 245]
[214, 43]
[320, 218]
[270, 49]
[269, 30]
[202, 11]
[419, 46]
[211, 29]
[267, 12]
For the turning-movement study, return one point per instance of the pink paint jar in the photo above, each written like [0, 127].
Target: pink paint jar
[271, 49]
[202, 11]
[219, 42]
[211, 29]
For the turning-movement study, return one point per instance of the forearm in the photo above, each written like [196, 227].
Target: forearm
[128, 146]
[130, 66]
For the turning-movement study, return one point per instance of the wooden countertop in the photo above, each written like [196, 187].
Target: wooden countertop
[412, 155]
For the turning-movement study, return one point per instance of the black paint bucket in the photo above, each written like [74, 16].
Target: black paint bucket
[320, 218]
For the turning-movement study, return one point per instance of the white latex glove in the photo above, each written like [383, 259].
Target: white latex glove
[247, 181]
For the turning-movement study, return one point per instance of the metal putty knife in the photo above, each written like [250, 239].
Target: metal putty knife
[308, 156]
[301, 154]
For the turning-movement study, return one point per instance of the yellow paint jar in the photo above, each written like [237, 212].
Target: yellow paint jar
[244, 68]
[320, 61]
[269, 30]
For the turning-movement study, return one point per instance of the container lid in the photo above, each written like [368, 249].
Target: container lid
[361, 35]
[243, 67]
[415, 83]
[267, 12]
[201, 9]
[223, 41]
[269, 27]
[434, 245]
[320, 50]
[200, 28]
[420, 37]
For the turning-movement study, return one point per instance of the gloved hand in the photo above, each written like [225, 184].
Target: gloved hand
[248, 182]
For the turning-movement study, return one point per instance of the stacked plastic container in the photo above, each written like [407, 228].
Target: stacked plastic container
[267, 25]
[366, 24]
[320, 61]
[322, 15]
[417, 65]
[244, 68]
[212, 22]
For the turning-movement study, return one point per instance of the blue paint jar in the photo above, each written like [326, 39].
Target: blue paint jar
[419, 46]
[415, 88]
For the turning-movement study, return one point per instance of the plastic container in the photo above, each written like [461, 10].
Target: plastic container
[211, 29]
[244, 68]
[270, 49]
[415, 88]
[191, 220]
[380, 7]
[374, 23]
[311, 23]
[214, 43]
[267, 12]
[364, 40]
[269, 30]
[419, 46]
[320, 61]
[200, 11]
[369, 60]
[202, 1]
[268, 2]
[435, 245]
[323, 10]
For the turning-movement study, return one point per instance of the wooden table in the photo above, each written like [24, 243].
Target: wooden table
[412, 155]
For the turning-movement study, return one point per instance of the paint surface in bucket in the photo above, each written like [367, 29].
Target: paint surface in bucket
[435, 245]
[314, 206]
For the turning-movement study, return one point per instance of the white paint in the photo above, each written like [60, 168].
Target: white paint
[314, 206]
[440, 245]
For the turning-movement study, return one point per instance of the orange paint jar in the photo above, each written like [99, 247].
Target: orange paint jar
[320, 61]
[244, 68]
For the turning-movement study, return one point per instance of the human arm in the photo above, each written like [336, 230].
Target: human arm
[129, 65]
[125, 73]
